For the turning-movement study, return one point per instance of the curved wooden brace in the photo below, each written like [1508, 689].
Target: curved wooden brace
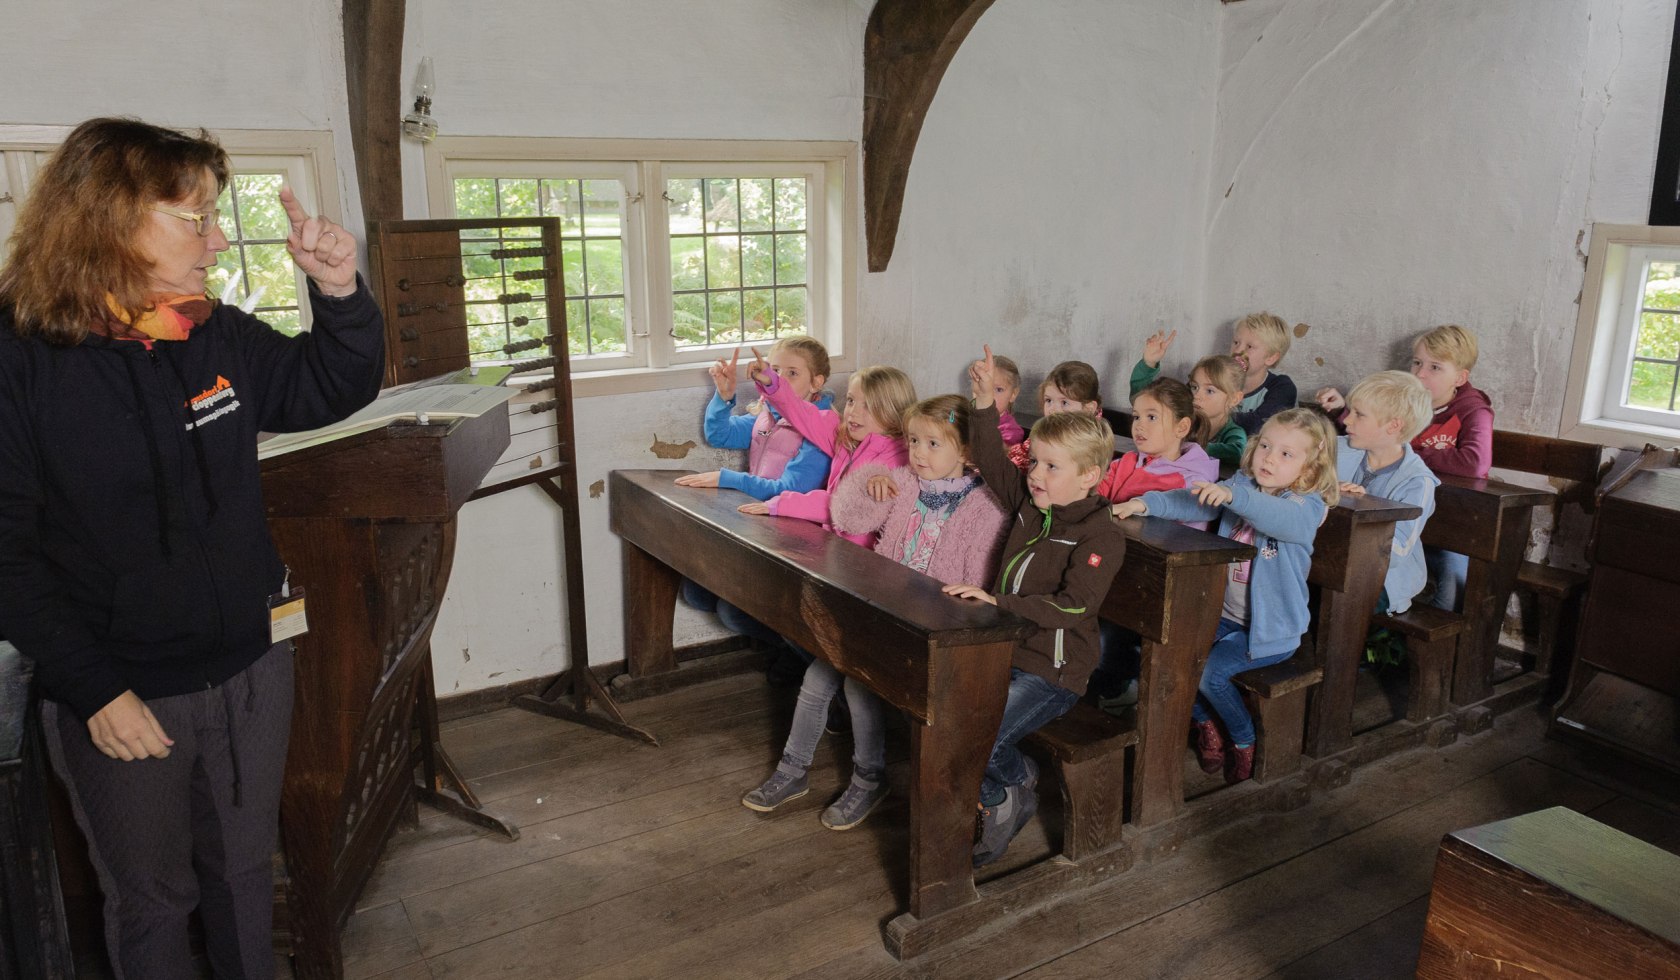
[906, 49]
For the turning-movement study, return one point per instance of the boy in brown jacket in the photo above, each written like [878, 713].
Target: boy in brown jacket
[1063, 551]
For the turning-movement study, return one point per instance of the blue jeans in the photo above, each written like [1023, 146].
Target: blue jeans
[869, 739]
[1033, 703]
[1448, 570]
[1228, 658]
[733, 619]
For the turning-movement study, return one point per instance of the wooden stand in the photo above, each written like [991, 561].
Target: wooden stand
[423, 271]
[367, 525]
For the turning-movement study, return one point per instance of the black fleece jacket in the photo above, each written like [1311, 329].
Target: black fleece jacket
[134, 550]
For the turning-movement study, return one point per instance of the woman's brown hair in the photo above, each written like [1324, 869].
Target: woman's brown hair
[77, 235]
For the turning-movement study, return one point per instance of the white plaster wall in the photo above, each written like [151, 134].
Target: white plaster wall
[189, 63]
[1047, 201]
[1383, 166]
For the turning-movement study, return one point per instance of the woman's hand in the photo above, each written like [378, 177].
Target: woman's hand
[881, 487]
[1129, 508]
[980, 379]
[125, 729]
[723, 375]
[1329, 399]
[969, 592]
[1156, 347]
[1211, 494]
[324, 251]
[1353, 489]
[699, 479]
[759, 369]
[757, 508]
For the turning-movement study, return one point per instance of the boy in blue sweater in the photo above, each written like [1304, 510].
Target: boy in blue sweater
[1384, 413]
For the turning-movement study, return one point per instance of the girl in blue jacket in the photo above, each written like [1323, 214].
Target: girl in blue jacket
[1276, 503]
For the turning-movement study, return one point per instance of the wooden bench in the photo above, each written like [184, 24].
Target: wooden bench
[1088, 748]
[1279, 697]
[1552, 894]
[1431, 645]
[1557, 597]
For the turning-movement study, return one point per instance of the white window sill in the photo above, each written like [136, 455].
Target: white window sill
[1618, 434]
[632, 380]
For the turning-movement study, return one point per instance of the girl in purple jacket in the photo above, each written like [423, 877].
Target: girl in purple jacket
[932, 515]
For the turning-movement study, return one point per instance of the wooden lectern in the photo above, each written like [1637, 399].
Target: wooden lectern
[366, 524]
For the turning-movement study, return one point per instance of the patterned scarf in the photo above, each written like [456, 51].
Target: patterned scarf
[170, 318]
[940, 495]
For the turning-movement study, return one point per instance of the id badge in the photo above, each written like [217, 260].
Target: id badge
[286, 616]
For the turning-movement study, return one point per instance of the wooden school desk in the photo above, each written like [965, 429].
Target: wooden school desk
[1488, 521]
[943, 661]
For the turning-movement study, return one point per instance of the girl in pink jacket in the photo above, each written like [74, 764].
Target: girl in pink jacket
[932, 515]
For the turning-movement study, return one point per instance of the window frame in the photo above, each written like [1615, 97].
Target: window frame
[659, 365]
[1605, 326]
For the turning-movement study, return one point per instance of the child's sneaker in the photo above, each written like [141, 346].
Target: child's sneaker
[1210, 747]
[999, 824]
[778, 789]
[1120, 702]
[1239, 764]
[853, 806]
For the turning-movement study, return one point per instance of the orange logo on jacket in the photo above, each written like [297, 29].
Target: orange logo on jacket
[219, 396]
[222, 384]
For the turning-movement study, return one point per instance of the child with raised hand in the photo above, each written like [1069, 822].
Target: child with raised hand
[1384, 412]
[1071, 386]
[1006, 387]
[778, 458]
[931, 515]
[867, 430]
[1060, 559]
[1276, 502]
[1216, 383]
[1258, 342]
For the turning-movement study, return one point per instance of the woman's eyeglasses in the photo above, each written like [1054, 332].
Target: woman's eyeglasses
[202, 221]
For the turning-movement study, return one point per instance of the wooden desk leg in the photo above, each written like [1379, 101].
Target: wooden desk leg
[1487, 589]
[650, 600]
[1172, 670]
[947, 760]
[1344, 617]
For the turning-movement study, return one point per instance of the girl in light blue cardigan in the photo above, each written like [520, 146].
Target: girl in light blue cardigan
[1276, 503]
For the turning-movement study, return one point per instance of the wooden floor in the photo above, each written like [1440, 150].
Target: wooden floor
[640, 862]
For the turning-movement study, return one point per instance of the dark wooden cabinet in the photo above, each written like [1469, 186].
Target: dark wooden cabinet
[366, 525]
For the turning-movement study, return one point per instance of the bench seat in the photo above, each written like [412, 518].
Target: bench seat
[1431, 647]
[1088, 748]
[1279, 693]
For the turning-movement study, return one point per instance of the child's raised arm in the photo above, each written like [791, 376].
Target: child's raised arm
[985, 443]
[816, 424]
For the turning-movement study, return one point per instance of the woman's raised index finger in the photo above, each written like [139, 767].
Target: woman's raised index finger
[294, 211]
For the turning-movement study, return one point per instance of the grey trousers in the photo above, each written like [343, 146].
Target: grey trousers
[194, 830]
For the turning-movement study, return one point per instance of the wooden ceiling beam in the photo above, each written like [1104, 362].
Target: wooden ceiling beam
[373, 38]
[907, 46]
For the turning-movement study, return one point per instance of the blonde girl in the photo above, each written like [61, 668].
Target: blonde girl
[1276, 503]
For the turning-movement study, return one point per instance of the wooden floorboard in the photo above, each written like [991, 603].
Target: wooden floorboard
[640, 862]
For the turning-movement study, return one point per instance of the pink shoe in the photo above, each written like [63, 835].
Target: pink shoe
[1210, 747]
[1239, 764]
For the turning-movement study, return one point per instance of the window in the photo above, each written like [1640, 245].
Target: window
[252, 219]
[673, 252]
[1624, 378]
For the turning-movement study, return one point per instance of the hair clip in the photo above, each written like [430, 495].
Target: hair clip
[951, 417]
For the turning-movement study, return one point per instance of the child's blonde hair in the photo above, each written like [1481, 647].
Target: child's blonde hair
[1087, 438]
[1269, 329]
[948, 413]
[816, 358]
[1174, 396]
[1395, 395]
[1451, 343]
[886, 392]
[1223, 372]
[1008, 368]
[1075, 379]
[1318, 474]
